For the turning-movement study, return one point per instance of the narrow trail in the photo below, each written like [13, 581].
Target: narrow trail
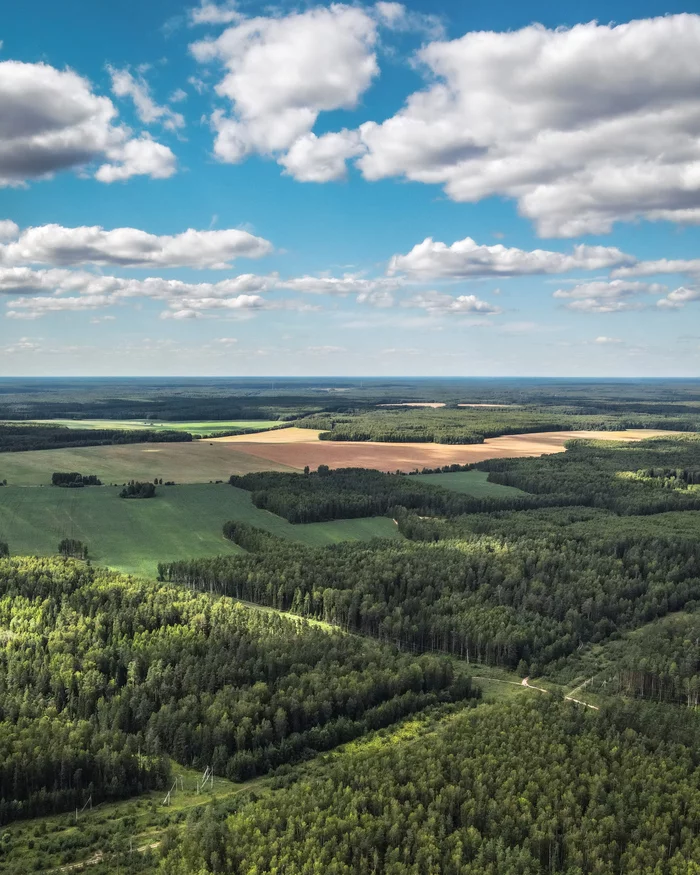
[570, 698]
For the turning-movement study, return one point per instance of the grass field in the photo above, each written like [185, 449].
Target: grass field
[470, 483]
[154, 425]
[181, 522]
[197, 462]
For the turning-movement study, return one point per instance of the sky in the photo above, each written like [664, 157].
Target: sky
[437, 188]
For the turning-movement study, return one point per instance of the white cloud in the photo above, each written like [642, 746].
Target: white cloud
[345, 285]
[128, 247]
[396, 17]
[321, 159]
[678, 298]
[602, 296]
[438, 303]
[140, 157]
[213, 13]
[582, 126]
[608, 341]
[661, 266]
[23, 345]
[199, 85]
[466, 258]
[50, 120]
[124, 84]
[8, 230]
[281, 73]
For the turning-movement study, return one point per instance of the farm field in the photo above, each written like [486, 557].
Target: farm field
[193, 462]
[181, 522]
[469, 483]
[199, 428]
[287, 447]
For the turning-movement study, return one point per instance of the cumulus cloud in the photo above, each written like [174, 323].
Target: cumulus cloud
[678, 298]
[125, 84]
[466, 258]
[321, 159]
[127, 247]
[439, 303]
[50, 120]
[582, 126]
[140, 157]
[59, 289]
[661, 266]
[281, 73]
[603, 296]
[608, 341]
[8, 230]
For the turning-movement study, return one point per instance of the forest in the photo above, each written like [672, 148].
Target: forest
[105, 679]
[454, 425]
[523, 789]
[18, 437]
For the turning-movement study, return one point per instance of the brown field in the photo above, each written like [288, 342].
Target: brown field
[291, 435]
[435, 404]
[283, 448]
[288, 449]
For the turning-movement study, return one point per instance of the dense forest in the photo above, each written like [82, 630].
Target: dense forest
[16, 437]
[524, 599]
[647, 477]
[659, 662]
[524, 789]
[344, 493]
[103, 678]
[474, 425]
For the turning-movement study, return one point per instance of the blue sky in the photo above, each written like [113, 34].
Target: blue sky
[431, 188]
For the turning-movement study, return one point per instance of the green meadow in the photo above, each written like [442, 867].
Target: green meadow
[469, 483]
[181, 522]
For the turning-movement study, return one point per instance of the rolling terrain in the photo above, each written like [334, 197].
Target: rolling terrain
[133, 536]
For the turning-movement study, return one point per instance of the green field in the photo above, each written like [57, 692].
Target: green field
[199, 428]
[191, 462]
[181, 522]
[469, 483]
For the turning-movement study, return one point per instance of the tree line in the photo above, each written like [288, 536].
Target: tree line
[453, 425]
[18, 437]
[74, 480]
